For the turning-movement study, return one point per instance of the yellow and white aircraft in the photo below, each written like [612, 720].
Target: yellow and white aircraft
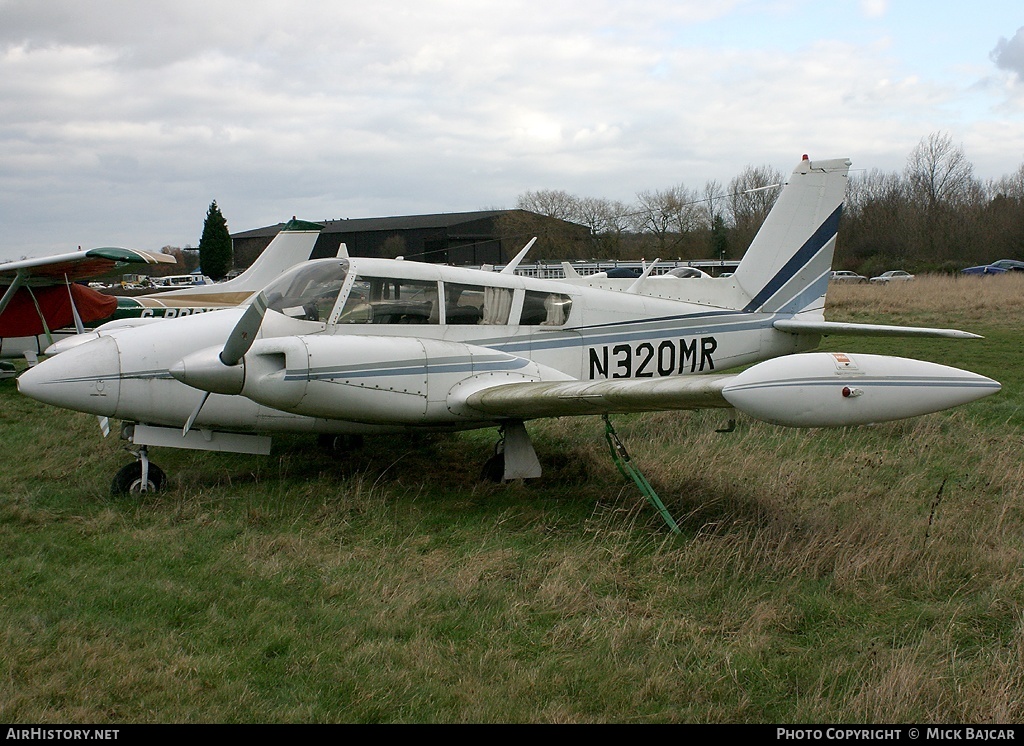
[361, 346]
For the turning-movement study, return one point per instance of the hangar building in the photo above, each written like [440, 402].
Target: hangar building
[459, 238]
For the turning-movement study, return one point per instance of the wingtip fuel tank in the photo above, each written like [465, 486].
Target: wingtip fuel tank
[835, 389]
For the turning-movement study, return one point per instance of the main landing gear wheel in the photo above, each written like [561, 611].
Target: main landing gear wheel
[128, 481]
[494, 469]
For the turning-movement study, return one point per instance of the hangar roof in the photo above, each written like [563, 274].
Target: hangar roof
[401, 222]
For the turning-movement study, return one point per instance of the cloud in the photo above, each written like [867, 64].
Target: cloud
[1009, 54]
[874, 8]
[121, 120]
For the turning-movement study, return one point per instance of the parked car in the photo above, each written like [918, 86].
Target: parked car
[845, 275]
[995, 268]
[684, 272]
[893, 275]
[620, 273]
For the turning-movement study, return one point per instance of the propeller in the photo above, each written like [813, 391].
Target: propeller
[244, 333]
[218, 372]
[195, 413]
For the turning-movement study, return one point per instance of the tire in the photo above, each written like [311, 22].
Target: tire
[128, 481]
[494, 469]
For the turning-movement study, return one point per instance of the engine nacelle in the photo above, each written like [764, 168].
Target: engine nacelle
[371, 379]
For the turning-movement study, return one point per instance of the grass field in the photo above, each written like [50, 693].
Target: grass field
[869, 575]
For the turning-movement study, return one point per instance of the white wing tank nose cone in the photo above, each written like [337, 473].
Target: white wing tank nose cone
[833, 389]
[86, 378]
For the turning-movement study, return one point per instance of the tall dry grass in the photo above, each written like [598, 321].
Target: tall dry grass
[966, 297]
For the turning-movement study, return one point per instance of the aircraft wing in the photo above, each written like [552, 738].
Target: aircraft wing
[817, 389]
[78, 265]
[797, 326]
[530, 400]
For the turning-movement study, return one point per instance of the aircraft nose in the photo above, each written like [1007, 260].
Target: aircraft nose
[85, 378]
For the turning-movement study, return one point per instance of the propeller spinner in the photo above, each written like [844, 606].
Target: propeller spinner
[217, 371]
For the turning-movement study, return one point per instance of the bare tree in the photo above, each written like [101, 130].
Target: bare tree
[604, 218]
[1011, 186]
[934, 215]
[668, 215]
[751, 196]
[713, 201]
[554, 203]
[161, 270]
[608, 221]
[941, 187]
[1002, 224]
[938, 172]
[874, 236]
[556, 239]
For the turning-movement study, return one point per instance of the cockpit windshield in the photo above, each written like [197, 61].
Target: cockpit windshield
[308, 291]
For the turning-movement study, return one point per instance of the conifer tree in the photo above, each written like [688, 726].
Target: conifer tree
[719, 238]
[215, 245]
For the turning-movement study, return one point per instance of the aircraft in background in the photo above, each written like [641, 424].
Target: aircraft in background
[352, 346]
[292, 245]
[43, 294]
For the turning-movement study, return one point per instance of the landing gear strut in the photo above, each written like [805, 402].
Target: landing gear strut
[139, 477]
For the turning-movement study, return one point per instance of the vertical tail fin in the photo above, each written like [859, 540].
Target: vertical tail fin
[292, 245]
[787, 266]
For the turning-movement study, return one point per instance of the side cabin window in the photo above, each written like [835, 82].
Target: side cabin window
[545, 309]
[476, 304]
[387, 300]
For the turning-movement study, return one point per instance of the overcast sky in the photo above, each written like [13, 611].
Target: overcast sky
[121, 120]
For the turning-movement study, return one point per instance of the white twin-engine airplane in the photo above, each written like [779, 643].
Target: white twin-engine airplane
[350, 346]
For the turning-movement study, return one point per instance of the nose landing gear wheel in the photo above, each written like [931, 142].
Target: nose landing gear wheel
[128, 481]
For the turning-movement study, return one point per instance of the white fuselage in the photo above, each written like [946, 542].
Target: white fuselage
[334, 376]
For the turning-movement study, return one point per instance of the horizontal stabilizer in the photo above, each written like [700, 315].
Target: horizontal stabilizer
[794, 326]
